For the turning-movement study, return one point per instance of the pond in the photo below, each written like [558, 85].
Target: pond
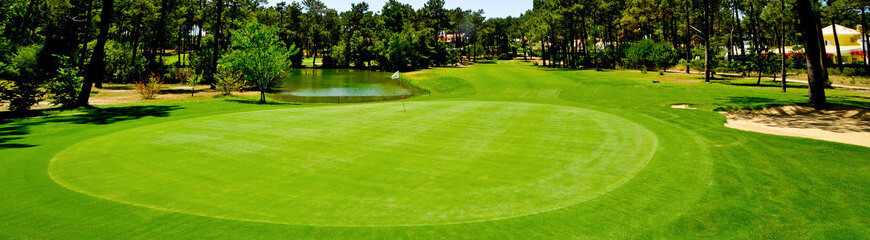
[341, 85]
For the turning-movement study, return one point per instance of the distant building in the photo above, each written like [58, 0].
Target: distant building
[454, 40]
[850, 41]
[847, 36]
[449, 38]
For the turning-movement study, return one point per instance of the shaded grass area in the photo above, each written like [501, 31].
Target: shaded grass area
[703, 181]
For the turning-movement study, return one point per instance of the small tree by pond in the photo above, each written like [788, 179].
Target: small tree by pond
[259, 55]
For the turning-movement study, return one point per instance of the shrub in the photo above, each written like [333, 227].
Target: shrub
[228, 81]
[850, 72]
[181, 75]
[505, 56]
[149, 88]
[65, 87]
[192, 81]
[651, 55]
[23, 81]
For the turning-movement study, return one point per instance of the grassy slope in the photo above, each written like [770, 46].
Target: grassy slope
[704, 180]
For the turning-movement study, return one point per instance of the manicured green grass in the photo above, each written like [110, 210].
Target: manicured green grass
[172, 59]
[499, 151]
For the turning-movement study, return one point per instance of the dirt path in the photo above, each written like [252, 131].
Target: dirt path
[851, 126]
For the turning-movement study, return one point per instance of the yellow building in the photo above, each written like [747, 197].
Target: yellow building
[850, 41]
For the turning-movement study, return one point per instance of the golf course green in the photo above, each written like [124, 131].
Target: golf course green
[498, 151]
[362, 165]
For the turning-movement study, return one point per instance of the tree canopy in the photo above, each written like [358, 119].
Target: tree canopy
[166, 36]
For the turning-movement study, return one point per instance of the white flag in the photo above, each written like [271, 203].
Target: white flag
[396, 75]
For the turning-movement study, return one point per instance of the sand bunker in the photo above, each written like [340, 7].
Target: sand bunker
[845, 125]
[682, 106]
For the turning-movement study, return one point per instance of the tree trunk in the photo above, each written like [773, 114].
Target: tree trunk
[97, 66]
[543, 53]
[837, 45]
[526, 49]
[216, 49]
[866, 37]
[201, 25]
[756, 41]
[688, 39]
[707, 31]
[782, 45]
[740, 39]
[810, 27]
[135, 53]
[314, 51]
[87, 31]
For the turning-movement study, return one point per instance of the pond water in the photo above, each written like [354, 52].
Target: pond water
[329, 85]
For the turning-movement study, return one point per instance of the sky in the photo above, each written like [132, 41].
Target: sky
[491, 8]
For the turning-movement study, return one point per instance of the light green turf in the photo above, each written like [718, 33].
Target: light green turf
[365, 165]
[702, 180]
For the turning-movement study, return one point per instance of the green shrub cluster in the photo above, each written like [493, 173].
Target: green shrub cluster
[647, 54]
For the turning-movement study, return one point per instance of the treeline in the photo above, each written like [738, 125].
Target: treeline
[743, 36]
[735, 33]
[88, 42]
[57, 49]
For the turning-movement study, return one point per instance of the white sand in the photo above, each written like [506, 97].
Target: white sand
[851, 126]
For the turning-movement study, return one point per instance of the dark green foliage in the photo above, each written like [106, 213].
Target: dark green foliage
[23, 81]
[405, 51]
[64, 88]
[201, 60]
[121, 67]
[647, 54]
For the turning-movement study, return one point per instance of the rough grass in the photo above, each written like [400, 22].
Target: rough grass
[477, 133]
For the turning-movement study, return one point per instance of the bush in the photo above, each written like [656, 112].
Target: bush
[192, 81]
[22, 84]
[65, 87]
[227, 81]
[150, 87]
[505, 56]
[651, 55]
[180, 75]
[850, 72]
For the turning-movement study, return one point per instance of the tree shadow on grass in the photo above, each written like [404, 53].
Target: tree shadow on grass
[853, 101]
[117, 114]
[766, 85]
[11, 131]
[751, 103]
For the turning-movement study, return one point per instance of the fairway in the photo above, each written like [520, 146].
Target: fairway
[365, 165]
[498, 151]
